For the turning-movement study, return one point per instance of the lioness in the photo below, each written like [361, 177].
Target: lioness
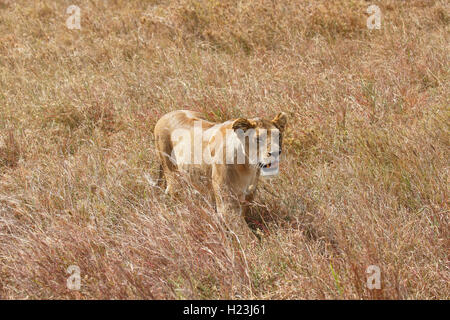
[228, 157]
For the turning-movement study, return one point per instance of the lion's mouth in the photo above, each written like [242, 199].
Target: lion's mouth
[269, 165]
[270, 168]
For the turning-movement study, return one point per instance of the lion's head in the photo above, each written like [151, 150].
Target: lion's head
[262, 140]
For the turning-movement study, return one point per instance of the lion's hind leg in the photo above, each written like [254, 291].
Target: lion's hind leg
[168, 167]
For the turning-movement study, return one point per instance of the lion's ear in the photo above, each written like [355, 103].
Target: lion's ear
[280, 121]
[243, 124]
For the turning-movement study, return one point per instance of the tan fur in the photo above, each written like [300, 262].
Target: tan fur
[233, 185]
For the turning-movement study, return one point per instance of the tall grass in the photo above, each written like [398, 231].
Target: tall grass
[364, 179]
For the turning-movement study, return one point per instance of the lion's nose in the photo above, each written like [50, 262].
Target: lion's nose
[272, 154]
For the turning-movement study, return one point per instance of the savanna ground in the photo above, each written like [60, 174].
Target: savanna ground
[364, 179]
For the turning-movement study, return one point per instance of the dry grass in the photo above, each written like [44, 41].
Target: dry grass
[365, 174]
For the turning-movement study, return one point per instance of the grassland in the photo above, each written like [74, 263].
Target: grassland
[364, 179]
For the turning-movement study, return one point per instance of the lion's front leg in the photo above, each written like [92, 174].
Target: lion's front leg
[248, 199]
[229, 207]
